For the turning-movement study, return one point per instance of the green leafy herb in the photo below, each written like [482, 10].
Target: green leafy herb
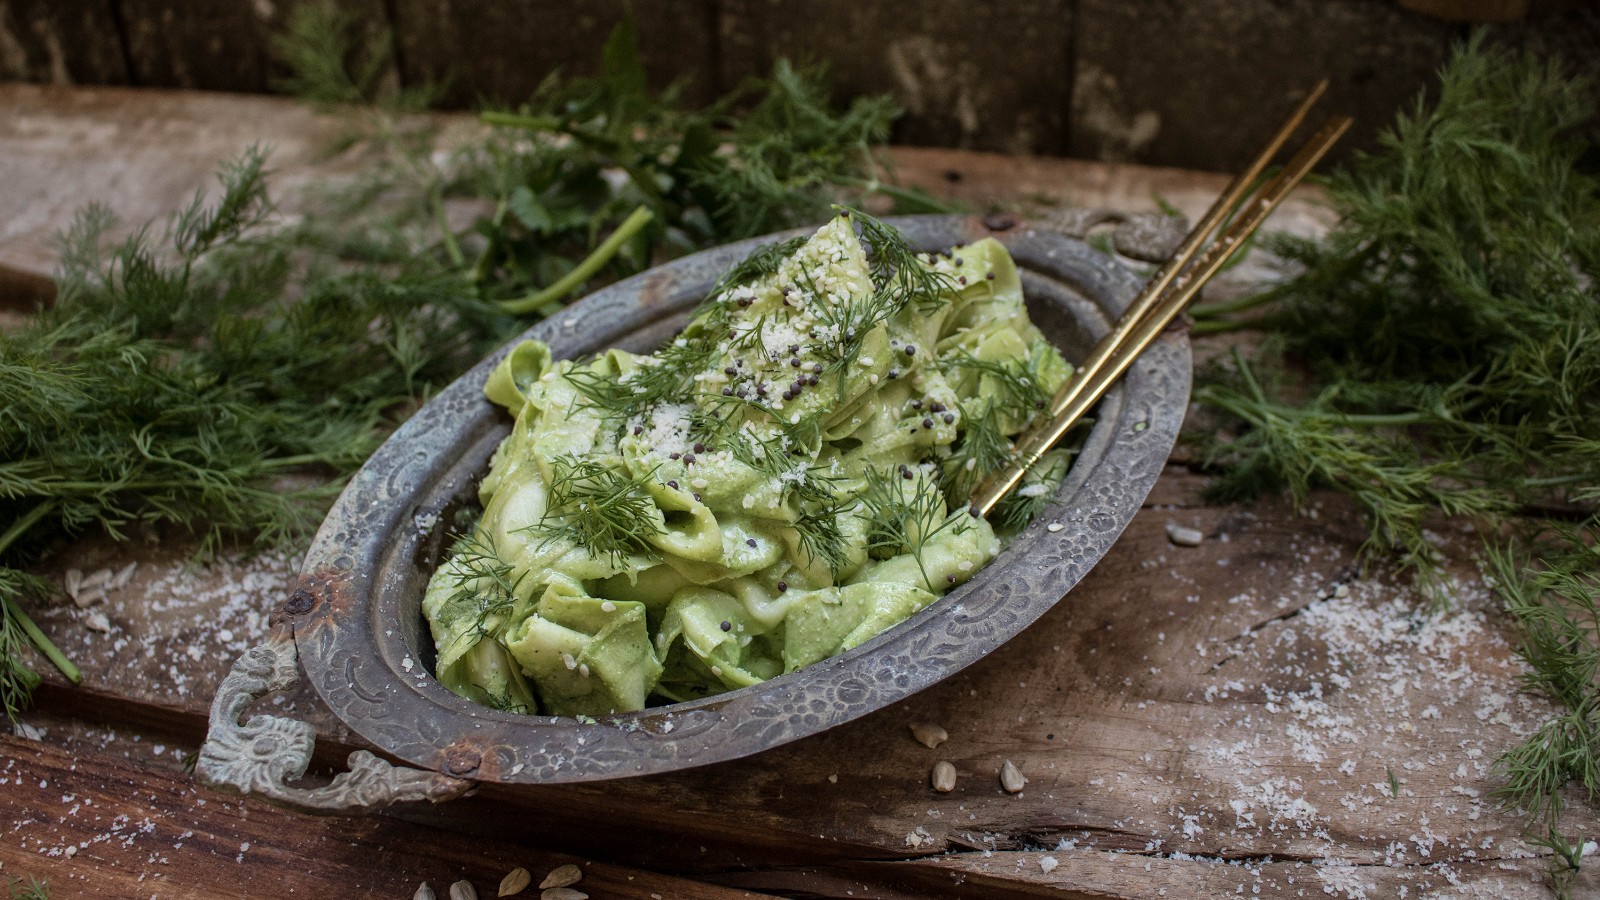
[1447, 335]
[31, 889]
[488, 577]
[904, 512]
[898, 273]
[599, 508]
[224, 374]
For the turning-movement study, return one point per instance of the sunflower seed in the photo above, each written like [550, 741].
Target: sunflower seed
[463, 890]
[561, 877]
[943, 777]
[74, 580]
[124, 575]
[1184, 537]
[563, 893]
[1011, 778]
[515, 882]
[88, 597]
[97, 579]
[425, 893]
[928, 734]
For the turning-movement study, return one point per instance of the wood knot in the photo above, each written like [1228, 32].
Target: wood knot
[460, 761]
[1000, 221]
[299, 603]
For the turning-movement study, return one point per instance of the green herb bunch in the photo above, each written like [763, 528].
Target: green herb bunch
[1446, 330]
[1439, 352]
[223, 374]
[590, 178]
[175, 383]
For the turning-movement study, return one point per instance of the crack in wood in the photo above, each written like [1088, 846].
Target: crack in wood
[1243, 641]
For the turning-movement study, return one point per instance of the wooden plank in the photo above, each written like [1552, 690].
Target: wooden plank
[1238, 700]
[141, 153]
[49, 42]
[500, 52]
[1241, 699]
[208, 44]
[1077, 874]
[997, 77]
[1203, 85]
[144, 153]
[96, 826]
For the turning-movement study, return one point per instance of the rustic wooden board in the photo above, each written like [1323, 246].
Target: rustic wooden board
[1131, 100]
[61, 43]
[500, 52]
[1190, 719]
[1238, 701]
[996, 77]
[95, 826]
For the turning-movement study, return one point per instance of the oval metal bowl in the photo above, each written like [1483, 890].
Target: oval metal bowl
[356, 614]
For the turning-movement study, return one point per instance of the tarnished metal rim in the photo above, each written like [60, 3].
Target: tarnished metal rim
[366, 649]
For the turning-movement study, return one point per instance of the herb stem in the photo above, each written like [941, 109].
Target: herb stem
[436, 200]
[21, 526]
[49, 649]
[1204, 327]
[516, 120]
[1237, 304]
[920, 201]
[44, 644]
[584, 270]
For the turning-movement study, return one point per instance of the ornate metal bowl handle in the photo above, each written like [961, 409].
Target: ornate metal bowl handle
[263, 755]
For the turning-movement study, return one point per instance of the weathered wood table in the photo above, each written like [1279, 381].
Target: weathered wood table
[1251, 716]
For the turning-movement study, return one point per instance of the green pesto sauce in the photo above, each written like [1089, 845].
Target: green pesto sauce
[782, 482]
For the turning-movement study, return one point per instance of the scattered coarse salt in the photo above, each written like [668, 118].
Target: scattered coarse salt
[1054, 527]
[1048, 864]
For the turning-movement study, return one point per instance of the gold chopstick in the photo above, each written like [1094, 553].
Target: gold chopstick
[1168, 292]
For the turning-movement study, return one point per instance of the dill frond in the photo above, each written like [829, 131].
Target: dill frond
[486, 580]
[30, 889]
[897, 272]
[1447, 333]
[904, 510]
[599, 508]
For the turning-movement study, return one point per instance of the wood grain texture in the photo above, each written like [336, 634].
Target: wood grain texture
[1189, 719]
[1203, 85]
[993, 77]
[496, 51]
[96, 826]
[1239, 701]
[48, 42]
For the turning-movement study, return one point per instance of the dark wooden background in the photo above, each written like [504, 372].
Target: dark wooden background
[1193, 83]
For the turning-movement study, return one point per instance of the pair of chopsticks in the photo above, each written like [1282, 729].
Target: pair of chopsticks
[1170, 290]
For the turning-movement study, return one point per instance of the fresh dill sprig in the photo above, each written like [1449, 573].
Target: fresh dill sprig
[486, 579]
[981, 449]
[1016, 387]
[173, 384]
[30, 889]
[897, 270]
[904, 510]
[763, 262]
[1447, 333]
[599, 508]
